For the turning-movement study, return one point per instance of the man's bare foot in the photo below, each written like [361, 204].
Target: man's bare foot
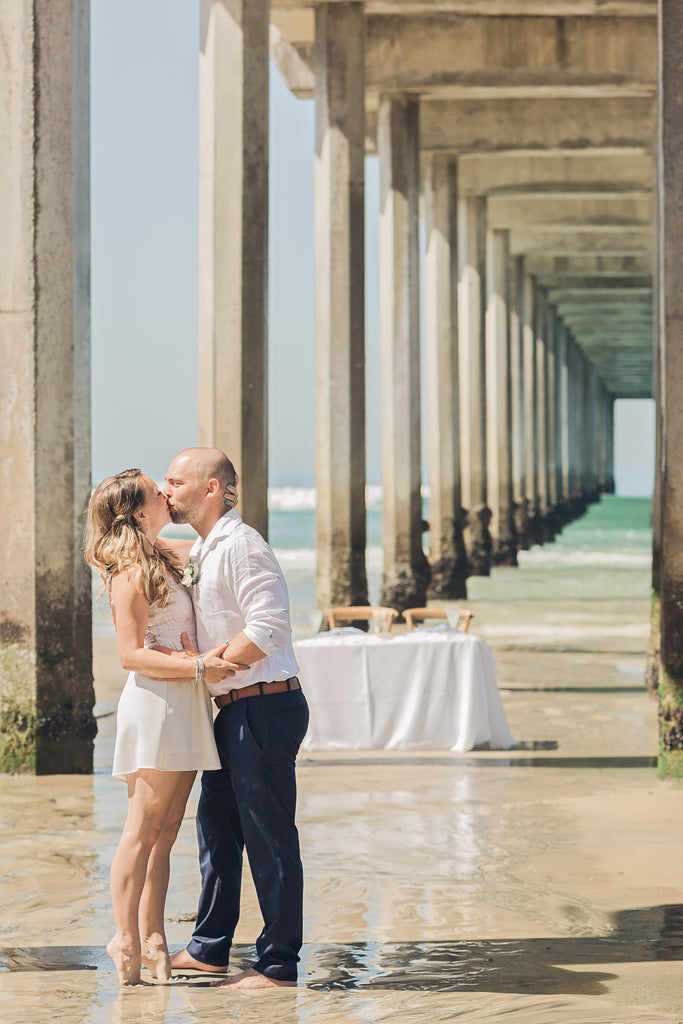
[251, 979]
[182, 961]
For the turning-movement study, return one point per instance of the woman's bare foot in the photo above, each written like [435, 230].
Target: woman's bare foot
[127, 962]
[182, 961]
[156, 959]
[251, 979]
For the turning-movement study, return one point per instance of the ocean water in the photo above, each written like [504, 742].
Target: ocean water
[599, 557]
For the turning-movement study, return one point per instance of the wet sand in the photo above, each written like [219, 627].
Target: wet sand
[537, 886]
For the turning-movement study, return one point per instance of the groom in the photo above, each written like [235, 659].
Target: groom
[241, 597]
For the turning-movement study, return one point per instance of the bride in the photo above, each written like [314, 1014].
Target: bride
[164, 723]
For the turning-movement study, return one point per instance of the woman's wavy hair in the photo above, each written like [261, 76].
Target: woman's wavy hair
[115, 541]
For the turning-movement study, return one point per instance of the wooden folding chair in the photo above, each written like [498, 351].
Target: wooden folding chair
[354, 613]
[415, 615]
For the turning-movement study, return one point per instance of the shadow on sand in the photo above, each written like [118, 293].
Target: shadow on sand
[534, 966]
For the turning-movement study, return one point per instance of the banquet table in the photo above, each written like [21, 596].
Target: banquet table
[428, 689]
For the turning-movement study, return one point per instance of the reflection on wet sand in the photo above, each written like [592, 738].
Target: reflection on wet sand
[438, 886]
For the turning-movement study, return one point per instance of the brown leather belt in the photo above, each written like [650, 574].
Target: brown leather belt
[257, 690]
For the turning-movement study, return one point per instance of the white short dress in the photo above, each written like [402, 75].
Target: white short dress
[165, 723]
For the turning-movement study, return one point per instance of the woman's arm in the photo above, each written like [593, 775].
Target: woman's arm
[132, 615]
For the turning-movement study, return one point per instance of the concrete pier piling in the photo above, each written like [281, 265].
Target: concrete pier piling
[340, 304]
[46, 692]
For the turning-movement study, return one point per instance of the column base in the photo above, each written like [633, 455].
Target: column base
[670, 764]
[671, 722]
[504, 551]
[405, 586]
[449, 578]
[347, 583]
[534, 528]
[522, 526]
[479, 553]
[550, 525]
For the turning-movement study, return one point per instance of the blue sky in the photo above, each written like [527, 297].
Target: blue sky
[144, 259]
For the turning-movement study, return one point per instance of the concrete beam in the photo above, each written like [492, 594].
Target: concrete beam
[570, 212]
[473, 57]
[557, 268]
[606, 286]
[497, 173]
[629, 242]
[517, 56]
[299, 12]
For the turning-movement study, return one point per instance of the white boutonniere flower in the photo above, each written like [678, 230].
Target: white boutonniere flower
[190, 574]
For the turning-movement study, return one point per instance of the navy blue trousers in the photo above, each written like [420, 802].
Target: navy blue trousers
[251, 802]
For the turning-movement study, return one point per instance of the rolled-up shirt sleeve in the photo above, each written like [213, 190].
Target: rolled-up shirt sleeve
[255, 578]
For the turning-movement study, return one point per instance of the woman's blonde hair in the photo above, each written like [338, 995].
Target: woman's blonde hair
[115, 540]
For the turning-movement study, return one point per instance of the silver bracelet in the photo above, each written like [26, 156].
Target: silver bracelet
[199, 671]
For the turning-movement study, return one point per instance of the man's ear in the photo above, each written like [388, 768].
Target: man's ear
[213, 487]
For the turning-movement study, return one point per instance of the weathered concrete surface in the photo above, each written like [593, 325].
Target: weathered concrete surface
[46, 693]
[472, 354]
[498, 408]
[448, 559]
[523, 56]
[233, 242]
[406, 571]
[670, 270]
[340, 305]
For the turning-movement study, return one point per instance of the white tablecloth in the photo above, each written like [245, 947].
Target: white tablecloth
[430, 689]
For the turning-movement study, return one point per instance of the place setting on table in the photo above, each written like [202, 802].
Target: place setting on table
[427, 688]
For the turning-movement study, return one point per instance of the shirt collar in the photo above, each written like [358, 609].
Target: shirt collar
[224, 526]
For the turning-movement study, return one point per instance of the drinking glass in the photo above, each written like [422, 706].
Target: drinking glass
[377, 623]
[453, 615]
[316, 619]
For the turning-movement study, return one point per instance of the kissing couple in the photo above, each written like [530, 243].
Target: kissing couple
[196, 621]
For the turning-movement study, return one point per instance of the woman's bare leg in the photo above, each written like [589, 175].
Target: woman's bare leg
[153, 899]
[150, 795]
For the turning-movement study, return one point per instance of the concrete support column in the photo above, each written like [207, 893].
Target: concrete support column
[233, 243]
[406, 570]
[534, 525]
[541, 356]
[563, 420]
[340, 304]
[670, 467]
[581, 432]
[590, 437]
[498, 414]
[552, 331]
[471, 306]
[448, 560]
[46, 692]
[519, 451]
[610, 485]
[602, 437]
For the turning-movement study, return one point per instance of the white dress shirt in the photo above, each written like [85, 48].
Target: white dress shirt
[241, 588]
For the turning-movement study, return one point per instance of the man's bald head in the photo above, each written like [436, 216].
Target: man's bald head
[200, 487]
[206, 464]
